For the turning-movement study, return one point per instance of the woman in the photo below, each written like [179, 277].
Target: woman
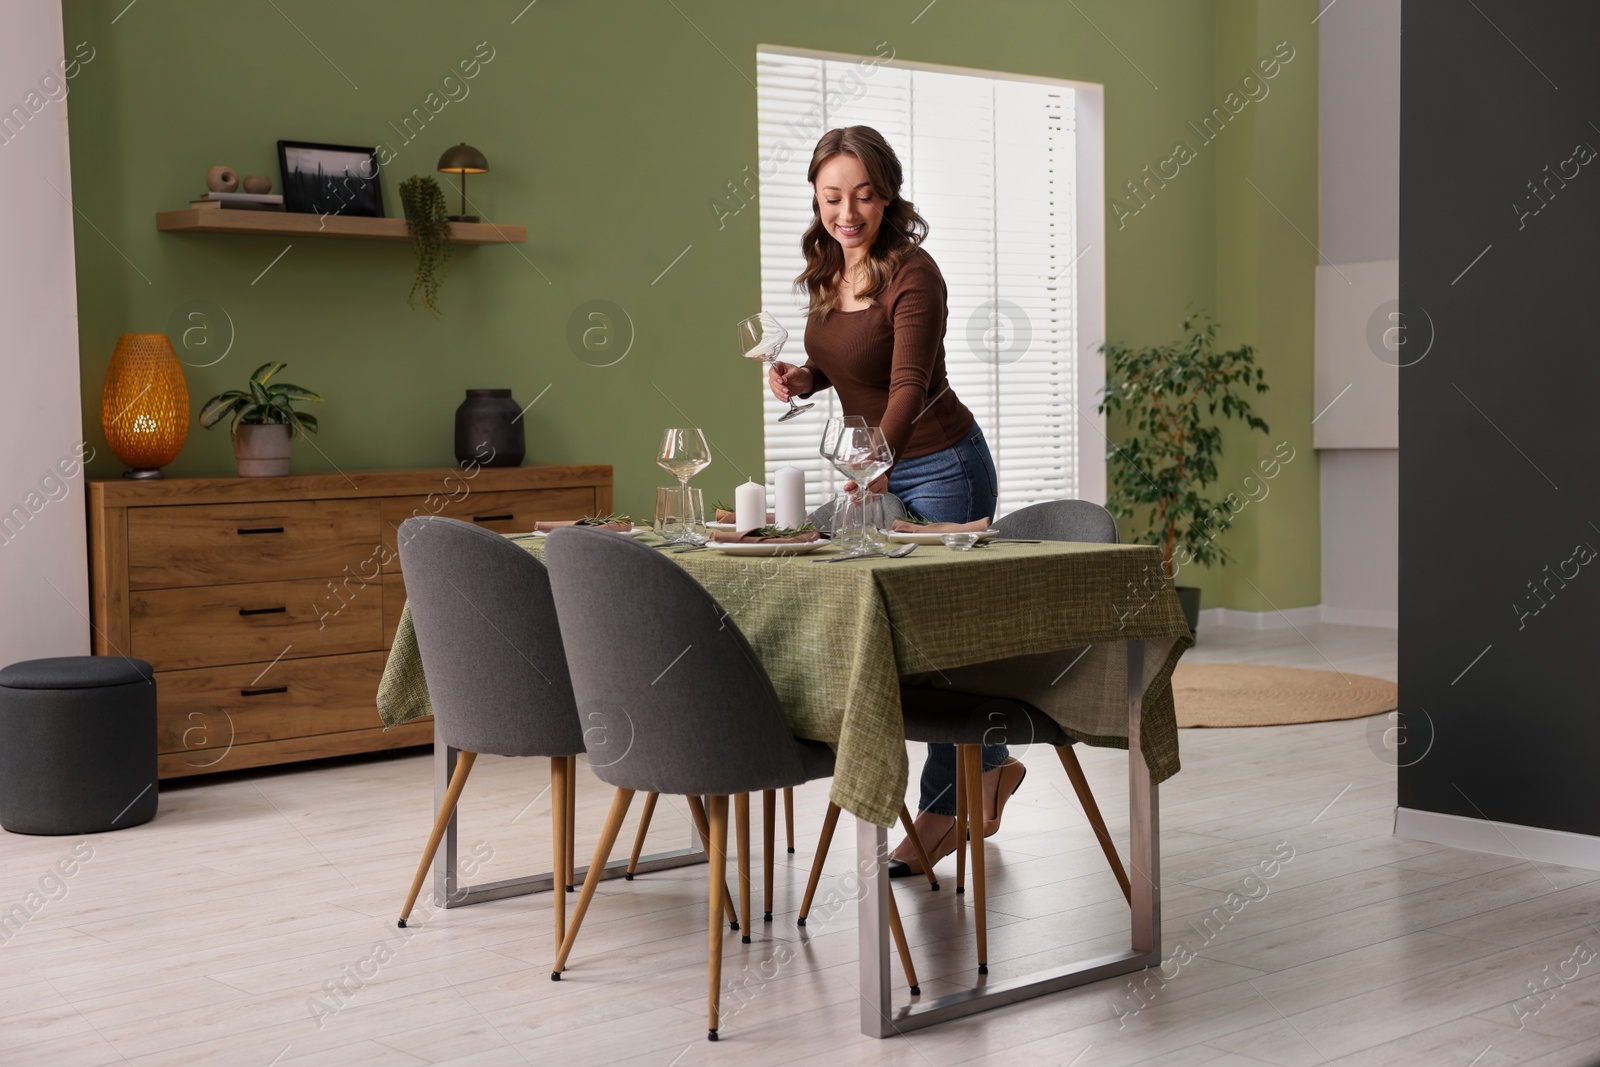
[875, 335]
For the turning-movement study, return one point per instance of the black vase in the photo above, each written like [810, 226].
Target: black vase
[488, 430]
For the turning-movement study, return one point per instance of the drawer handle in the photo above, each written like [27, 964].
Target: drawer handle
[492, 518]
[263, 692]
[263, 611]
[246, 531]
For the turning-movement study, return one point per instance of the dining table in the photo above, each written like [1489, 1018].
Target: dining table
[1087, 633]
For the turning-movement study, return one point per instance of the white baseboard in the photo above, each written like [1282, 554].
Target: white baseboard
[1260, 620]
[1282, 620]
[1386, 620]
[1499, 838]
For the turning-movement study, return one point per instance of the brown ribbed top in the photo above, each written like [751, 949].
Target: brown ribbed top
[886, 361]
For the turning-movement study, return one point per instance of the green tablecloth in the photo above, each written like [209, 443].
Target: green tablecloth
[1043, 623]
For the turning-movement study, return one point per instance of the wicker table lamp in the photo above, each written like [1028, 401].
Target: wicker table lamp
[145, 405]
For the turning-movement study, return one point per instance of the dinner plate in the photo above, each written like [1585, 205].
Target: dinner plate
[637, 531]
[932, 538]
[759, 549]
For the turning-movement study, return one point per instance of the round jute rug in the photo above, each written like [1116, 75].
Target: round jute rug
[1239, 694]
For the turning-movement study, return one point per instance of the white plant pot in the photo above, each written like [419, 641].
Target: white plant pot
[262, 450]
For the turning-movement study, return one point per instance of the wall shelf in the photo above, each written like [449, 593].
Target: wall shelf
[288, 224]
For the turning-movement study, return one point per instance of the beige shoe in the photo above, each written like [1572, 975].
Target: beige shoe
[1007, 779]
[905, 868]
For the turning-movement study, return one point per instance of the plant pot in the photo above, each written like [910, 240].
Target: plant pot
[489, 431]
[1189, 601]
[262, 450]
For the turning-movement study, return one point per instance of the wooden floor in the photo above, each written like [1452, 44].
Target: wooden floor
[253, 923]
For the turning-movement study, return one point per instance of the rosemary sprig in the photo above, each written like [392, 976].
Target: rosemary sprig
[779, 531]
[601, 520]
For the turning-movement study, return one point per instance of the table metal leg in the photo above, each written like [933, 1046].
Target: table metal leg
[448, 892]
[872, 865]
[879, 1016]
[1144, 829]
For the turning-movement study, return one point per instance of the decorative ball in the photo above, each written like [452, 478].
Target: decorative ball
[222, 179]
[257, 183]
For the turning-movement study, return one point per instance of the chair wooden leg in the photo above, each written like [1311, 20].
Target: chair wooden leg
[572, 807]
[788, 815]
[697, 812]
[830, 821]
[559, 812]
[644, 828]
[769, 812]
[961, 823]
[452, 795]
[741, 819]
[974, 764]
[717, 853]
[900, 946]
[1091, 810]
[916, 846]
[602, 853]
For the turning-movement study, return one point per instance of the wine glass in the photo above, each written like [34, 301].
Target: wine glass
[826, 448]
[684, 454]
[862, 454]
[762, 337]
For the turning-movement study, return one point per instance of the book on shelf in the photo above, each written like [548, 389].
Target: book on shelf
[240, 201]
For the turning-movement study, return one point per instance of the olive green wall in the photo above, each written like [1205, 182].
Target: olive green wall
[1266, 262]
[610, 127]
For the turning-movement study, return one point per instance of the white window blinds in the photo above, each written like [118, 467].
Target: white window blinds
[991, 164]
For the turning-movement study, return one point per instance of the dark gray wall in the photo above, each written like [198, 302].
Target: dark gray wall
[1498, 478]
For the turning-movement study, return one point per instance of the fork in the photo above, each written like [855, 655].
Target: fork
[898, 553]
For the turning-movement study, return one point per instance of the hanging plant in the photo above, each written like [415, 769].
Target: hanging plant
[429, 227]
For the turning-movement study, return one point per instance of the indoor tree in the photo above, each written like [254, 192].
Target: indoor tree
[1173, 399]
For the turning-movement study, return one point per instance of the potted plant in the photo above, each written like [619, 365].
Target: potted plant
[1171, 397]
[264, 421]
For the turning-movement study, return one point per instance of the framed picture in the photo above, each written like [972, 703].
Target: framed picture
[330, 179]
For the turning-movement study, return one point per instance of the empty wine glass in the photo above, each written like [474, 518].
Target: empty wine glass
[862, 454]
[826, 448]
[762, 337]
[684, 453]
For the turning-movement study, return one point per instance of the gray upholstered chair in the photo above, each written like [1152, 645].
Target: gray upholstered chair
[972, 720]
[885, 510]
[1061, 520]
[497, 674]
[677, 703]
[969, 721]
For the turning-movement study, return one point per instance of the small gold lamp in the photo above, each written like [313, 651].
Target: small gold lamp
[463, 159]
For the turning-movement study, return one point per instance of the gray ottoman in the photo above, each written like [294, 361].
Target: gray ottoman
[77, 745]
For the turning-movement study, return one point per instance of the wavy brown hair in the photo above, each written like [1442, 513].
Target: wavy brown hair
[902, 229]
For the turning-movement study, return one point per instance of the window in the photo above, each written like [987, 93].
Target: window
[1007, 172]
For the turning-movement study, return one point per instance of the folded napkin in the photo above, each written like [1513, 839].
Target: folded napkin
[902, 526]
[619, 525]
[755, 537]
[732, 516]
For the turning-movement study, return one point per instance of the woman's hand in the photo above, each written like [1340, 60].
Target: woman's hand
[879, 485]
[789, 380]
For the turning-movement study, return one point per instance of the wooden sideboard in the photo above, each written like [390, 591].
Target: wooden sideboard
[267, 605]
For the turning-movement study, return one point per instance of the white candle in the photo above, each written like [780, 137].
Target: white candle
[750, 507]
[791, 506]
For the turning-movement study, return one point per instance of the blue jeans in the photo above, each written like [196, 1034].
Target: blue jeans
[958, 484]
